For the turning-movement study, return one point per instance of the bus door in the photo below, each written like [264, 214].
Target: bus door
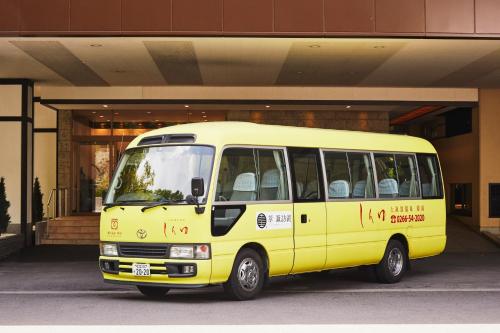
[309, 210]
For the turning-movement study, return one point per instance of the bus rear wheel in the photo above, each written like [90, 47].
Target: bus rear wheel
[394, 263]
[153, 292]
[247, 276]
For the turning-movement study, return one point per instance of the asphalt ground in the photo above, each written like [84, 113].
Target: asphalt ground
[62, 285]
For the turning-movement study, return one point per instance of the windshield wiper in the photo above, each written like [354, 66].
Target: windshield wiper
[161, 203]
[120, 203]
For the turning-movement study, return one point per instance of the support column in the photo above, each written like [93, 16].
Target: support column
[16, 136]
[489, 154]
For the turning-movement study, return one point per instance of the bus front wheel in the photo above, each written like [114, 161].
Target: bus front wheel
[247, 276]
[153, 292]
[394, 263]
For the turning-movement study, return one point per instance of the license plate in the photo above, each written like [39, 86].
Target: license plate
[141, 270]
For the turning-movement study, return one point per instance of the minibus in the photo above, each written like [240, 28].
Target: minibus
[235, 203]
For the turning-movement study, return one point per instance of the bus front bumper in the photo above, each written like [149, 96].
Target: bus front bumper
[163, 272]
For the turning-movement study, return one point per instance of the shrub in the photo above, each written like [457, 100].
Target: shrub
[4, 207]
[37, 208]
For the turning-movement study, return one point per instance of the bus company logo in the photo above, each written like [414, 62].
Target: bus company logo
[114, 224]
[261, 220]
[141, 233]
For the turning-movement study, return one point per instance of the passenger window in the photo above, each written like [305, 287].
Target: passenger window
[407, 176]
[360, 167]
[349, 175]
[305, 167]
[247, 174]
[387, 175]
[337, 175]
[429, 176]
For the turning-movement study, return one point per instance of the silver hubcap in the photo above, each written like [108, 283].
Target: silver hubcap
[395, 261]
[248, 274]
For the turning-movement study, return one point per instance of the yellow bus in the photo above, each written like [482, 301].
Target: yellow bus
[236, 203]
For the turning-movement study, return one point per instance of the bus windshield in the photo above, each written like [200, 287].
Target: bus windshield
[160, 174]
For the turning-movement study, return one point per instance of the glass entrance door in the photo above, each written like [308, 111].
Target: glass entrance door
[92, 174]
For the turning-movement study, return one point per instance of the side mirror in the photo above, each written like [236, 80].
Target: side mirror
[197, 187]
[197, 190]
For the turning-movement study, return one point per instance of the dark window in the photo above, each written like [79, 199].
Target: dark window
[461, 199]
[349, 175]
[225, 217]
[387, 175]
[248, 174]
[305, 168]
[494, 200]
[430, 176]
[409, 186]
[458, 121]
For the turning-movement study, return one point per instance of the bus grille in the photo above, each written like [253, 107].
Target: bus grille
[143, 251]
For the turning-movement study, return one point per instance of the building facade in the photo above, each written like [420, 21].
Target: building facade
[80, 78]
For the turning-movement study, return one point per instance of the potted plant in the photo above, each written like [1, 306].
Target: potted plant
[37, 208]
[4, 207]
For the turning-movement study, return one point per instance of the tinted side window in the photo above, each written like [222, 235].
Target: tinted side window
[360, 167]
[248, 174]
[387, 176]
[430, 176]
[409, 186]
[349, 175]
[305, 164]
[337, 175]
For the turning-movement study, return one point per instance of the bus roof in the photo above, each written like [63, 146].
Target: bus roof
[224, 133]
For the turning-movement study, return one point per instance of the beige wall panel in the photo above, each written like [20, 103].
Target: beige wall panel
[45, 117]
[257, 93]
[10, 168]
[489, 158]
[10, 100]
[45, 163]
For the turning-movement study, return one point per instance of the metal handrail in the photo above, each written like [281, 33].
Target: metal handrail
[51, 196]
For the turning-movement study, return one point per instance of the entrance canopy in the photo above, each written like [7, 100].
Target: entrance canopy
[218, 61]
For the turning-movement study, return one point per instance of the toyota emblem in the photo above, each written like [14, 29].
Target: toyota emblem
[141, 234]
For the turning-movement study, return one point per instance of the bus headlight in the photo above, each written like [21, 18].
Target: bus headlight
[195, 251]
[109, 250]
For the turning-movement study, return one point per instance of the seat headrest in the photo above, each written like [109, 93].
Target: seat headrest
[270, 179]
[245, 182]
[339, 189]
[388, 186]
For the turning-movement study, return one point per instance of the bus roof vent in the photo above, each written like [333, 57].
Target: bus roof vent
[179, 138]
[151, 140]
[169, 138]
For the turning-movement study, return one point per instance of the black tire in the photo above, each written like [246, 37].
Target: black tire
[249, 286]
[153, 292]
[394, 264]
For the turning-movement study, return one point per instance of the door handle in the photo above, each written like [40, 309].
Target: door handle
[303, 218]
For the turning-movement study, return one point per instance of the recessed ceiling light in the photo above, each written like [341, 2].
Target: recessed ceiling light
[268, 106]
[140, 124]
[202, 112]
[108, 120]
[149, 112]
[116, 114]
[157, 120]
[101, 116]
[347, 106]
[95, 45]
[105, 105]
[186, 106]
[94, 112]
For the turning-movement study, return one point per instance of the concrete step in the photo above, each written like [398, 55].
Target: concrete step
[74, 223]
[57, 229]
[92, 235]
[69, 241]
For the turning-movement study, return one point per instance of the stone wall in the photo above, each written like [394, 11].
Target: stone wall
[344, 120]
[64, 150]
